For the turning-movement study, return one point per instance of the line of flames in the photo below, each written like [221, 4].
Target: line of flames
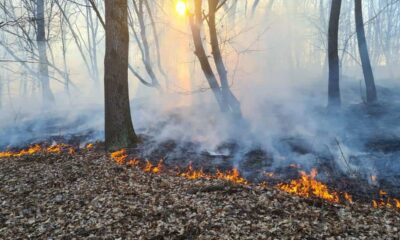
[38, 149]
[385, 201]
[121, 157]
[306, 186]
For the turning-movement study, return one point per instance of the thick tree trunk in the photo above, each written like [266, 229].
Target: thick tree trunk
[119, 132]
[333, 55]
[227, 95]
[43, 61]
[195, 25]
[363, 49]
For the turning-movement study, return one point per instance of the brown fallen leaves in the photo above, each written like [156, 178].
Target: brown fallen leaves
[88, 196]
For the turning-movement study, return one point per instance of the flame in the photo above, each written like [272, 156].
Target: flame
[90, 146]
[181, 7]
[385, 201]
[71, 151]
[133, 162]
[348, 197]
[150, 168]
[56, 149]
[231, 176]
[193, 174]
[382, 193]
[307, 186]
[30, 151]
[119, 156]
[35, 149]
[397, 202]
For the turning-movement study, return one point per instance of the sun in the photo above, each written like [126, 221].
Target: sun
[181, 7]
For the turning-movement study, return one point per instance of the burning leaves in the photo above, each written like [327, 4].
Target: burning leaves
[307, 186]
[121, 157]
[150, 168]
[36, 149]
[231, 176]
[193, 174]
[385, 201]
[30, 151]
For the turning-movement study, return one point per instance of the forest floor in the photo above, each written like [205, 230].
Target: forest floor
[87, 195]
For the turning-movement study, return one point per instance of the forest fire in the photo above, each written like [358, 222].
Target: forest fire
[307, 186]
[385, 201]
[36, 149]
[119, 156]
[231, 176]
[193, 174]
[150, 168]
[30, 151]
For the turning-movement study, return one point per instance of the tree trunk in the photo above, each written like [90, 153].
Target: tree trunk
[227, 95]
[119, 132]
[195, 25]
[363, 49]
[333, 55]
[43, 61]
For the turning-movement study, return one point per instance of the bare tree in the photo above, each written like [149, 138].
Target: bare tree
[333, 55]
[119, 132]
[225, 98]
[229, 99]
[364, 55]
[42, 47]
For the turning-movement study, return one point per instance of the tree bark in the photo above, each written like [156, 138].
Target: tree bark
[119, 132]
[333, 55]
[43, 61]
[364, 55]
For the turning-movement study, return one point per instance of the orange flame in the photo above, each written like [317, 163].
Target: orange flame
[119, 156]
[30, 151]
[193, 174]
[71, 151]
[35, 149]
[397, 202]
[56, 149]
[307, 186]
[385, 201]
[90, 146]
[133, 162]
[348, 197]
[150, 168]
[231, 176]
